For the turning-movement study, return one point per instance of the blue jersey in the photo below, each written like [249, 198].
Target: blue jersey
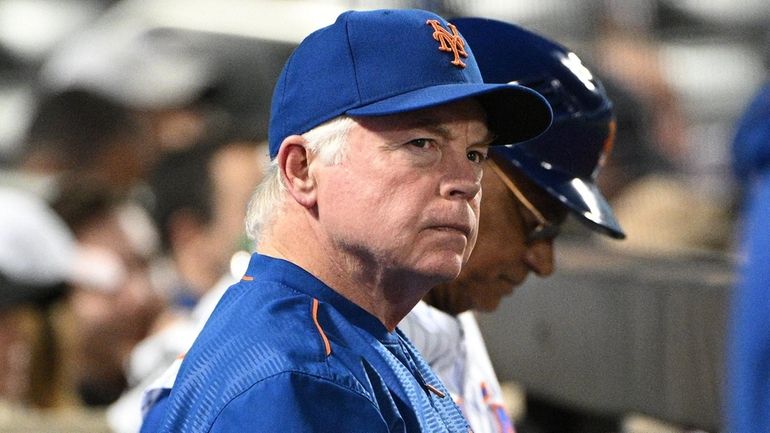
[284, 352]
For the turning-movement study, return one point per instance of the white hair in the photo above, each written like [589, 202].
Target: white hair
[327, 141]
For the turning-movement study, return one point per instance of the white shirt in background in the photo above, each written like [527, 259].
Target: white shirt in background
[455, 350]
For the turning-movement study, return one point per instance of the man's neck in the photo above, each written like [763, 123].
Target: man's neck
[386, 294]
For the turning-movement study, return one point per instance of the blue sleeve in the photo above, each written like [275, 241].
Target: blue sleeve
[295, 402]
[152, 421]
[748, 360]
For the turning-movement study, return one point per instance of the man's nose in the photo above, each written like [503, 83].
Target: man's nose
[539, 257]
[463, 179]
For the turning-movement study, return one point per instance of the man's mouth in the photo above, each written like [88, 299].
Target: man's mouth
[451, 227]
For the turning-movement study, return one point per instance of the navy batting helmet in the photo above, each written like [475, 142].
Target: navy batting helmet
[566, 159]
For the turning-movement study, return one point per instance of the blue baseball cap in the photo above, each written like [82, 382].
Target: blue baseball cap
[382, 62]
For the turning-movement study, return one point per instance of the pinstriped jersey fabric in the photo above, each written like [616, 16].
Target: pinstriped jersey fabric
[261, 364]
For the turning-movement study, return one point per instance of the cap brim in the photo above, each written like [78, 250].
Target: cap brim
[514, 113]
[581, 196]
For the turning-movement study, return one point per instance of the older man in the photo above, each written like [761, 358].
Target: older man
[379, 127]
[528, 191]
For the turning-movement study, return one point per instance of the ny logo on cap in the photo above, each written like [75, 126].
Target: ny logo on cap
[449, 41]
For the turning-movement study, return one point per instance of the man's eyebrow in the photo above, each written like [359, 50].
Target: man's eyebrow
[487, 140]
[430, 125]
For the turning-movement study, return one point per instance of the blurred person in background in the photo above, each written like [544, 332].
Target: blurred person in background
[748, 356]
[37, 256]
[86, 153]
[187, 84]
[529, 189]
[200, 196]
[73, 133]
[156, 77]
[38, 268]
[111, 311]
[78, 132]
[199, 202]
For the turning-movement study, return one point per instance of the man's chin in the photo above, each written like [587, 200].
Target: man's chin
[443, 270]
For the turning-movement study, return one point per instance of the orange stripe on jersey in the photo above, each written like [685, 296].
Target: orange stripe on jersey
[247, 278]
[434, 390]
[327, 346]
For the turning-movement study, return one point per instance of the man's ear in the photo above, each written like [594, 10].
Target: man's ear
[294, 162]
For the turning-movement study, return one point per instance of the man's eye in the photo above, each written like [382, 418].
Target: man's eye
[476, 156]
[421, 143]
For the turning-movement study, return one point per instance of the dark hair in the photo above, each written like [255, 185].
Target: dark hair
[181, 182]
[81, 199]
[78, 125]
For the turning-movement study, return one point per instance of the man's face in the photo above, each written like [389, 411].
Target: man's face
[503, 258]
[405, 199]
